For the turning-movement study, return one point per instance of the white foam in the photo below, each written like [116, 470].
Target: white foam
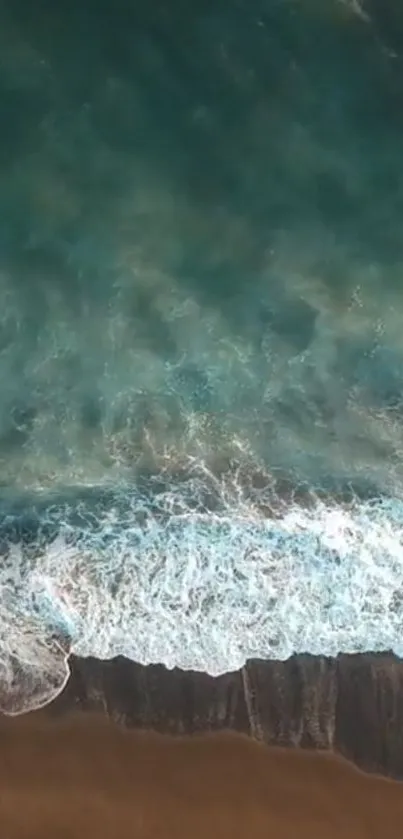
[207, 591]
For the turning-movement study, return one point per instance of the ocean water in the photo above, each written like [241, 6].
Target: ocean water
[201, 345]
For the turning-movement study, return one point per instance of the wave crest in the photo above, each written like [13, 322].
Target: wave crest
[158, 576]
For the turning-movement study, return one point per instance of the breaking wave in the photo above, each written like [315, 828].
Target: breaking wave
[200, 573]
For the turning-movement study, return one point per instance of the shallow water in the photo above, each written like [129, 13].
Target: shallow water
[200, 274]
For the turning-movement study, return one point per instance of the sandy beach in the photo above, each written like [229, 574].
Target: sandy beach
[81, 775]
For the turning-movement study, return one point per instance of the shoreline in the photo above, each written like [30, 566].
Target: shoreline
[351, 705]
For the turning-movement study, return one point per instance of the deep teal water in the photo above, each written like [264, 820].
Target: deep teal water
[201, 260]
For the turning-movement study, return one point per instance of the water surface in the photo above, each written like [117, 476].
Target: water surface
[201, 350]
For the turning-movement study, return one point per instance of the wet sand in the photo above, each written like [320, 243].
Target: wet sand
[83, 776]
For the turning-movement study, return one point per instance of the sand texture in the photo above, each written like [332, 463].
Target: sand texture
[82, 776]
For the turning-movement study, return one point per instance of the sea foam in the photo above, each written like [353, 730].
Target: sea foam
[162, 579]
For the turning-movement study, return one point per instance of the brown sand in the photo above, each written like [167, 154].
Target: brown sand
[85, 777]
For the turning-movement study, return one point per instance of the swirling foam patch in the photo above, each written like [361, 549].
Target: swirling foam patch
[174, 583]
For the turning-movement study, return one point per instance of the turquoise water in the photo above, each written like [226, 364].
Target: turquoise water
[201, 351]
